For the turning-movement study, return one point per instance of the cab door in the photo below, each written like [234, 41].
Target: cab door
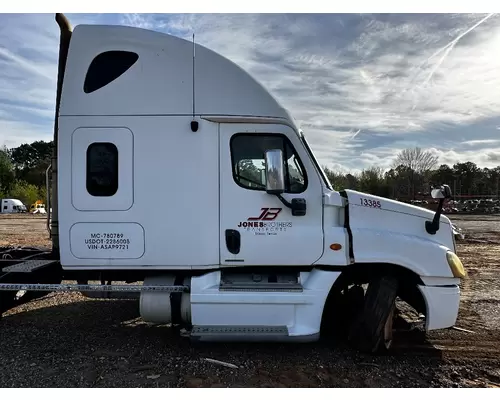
[256, 228]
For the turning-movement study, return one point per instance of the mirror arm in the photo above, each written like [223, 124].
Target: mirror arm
[433, 226]
[298, 206]
[284, 201]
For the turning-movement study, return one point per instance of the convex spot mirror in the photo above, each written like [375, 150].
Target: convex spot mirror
[443, 192]
[275, 177]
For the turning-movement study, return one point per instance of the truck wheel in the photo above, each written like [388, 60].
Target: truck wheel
[339, 311]
[355, 300]
[371, 330]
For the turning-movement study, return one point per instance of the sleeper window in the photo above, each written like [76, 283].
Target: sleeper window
[248, 158]
[102, 169]
[107, 67]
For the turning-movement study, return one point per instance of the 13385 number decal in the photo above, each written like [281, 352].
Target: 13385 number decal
[370, 203]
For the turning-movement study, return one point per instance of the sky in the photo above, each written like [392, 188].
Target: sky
[361, 86]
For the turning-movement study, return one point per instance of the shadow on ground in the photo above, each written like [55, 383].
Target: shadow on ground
[104, 343]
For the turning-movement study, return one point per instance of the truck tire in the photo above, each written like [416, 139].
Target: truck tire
[355, 300]
[339, 311]
[371, 330]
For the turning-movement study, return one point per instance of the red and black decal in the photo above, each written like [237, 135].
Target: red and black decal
[267, 214]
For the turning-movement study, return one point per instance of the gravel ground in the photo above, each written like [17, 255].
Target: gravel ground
[67, 340]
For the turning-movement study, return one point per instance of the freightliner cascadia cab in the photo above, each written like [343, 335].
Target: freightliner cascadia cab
[175, 167]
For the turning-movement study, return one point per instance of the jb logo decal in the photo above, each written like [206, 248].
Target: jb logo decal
[265, 224]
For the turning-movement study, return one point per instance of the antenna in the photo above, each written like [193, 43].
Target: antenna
[194, 124]
[194, 57]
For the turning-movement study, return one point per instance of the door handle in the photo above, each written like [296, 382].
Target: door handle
[233, 241]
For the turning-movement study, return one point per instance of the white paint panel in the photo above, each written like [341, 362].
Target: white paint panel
[442, 306]
[242, 314]
[123, 139]
[387, 231]
[238, 93]
[421, 256]
[107, 240]
[161, 81]
[380, 213]
[301, 312]
[334, 231]
[176, 192]
[286, 240]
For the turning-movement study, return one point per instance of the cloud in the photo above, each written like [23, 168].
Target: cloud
[493, 156]
[362, 87]
[29, 45]
[481, 142]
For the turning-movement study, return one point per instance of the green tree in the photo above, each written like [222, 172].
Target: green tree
[250, 174]
[372, 181]
[29, 156]
[467, 173]
[419, 164]
[341, 180]
[31, 161]
[26, 192]
[443, 175]
[398, 181]
[6, 172]
[42, 195]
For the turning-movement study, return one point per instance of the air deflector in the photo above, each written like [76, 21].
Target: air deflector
[106, 67]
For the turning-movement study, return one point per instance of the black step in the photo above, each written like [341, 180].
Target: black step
[238, 333]
[28, 266]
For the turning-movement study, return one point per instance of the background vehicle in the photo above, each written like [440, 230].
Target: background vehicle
[10, 206]
[38, 208]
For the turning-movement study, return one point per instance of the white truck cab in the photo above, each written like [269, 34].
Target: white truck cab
[11, 206]
[261, 245]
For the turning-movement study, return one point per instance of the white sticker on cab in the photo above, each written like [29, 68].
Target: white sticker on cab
[93, 240]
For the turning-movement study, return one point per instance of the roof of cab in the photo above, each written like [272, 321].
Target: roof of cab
[160, 81]
[14, 201]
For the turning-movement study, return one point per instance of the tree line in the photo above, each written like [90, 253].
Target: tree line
[22, 175]
[22, 171]
[412, 174]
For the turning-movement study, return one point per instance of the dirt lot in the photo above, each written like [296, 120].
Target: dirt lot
[72, 341]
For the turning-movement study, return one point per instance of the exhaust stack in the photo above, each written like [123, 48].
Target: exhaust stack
[65, 37]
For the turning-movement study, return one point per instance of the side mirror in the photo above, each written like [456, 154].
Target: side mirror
[275, 177]
[444, 192]
[441, 193]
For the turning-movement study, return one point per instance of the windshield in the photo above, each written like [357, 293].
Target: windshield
[315, 161]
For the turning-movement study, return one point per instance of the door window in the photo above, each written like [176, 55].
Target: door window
[102, 169]
[248, 159]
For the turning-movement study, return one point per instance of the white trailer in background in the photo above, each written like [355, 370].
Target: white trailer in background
[11, 206]
[230, 257]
